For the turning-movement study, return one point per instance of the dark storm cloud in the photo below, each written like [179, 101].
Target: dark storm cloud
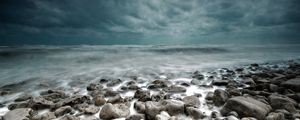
[126, 21]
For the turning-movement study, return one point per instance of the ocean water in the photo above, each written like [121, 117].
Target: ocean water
[30, 69]
[71, 65]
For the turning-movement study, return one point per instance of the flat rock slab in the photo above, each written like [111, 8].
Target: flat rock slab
[246, 107]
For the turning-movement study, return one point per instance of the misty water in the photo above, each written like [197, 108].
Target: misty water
[30, 69]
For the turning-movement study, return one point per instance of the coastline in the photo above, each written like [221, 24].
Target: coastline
[259, 91]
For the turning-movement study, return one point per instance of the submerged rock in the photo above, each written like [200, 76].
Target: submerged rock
[246, 107]
[110, 111]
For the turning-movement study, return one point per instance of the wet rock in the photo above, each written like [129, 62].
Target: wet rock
[99, 100]
[246, 107]
[282, 102]
[220, 97]
[78, 99]
[162, 116]
[191, 101]
[296, 97]
[231, 118]
[70, 117]
[174, 89]
[23, 98]
[93, 86]
[293, 84]
[248, 118]
[110, 111]
[19, 114]
[45, 116]
[152, 109]
[139, 106]
[4, 92]
[103, 81]
[233, 113]
[215, 114]
[40, 103]
[275, 116]
[158, 84]
[115, 99]
[220, 82]
[91, 109]
[23, 104]
[173, 107]
[114, 82]
[198, 75]
[62, 111]
[136, 117]
[277, 80]
[273, 88]
[196, 82]
[209, 96]
[232, 91]
[110, 93]
[142, 95]
[194, 112]
[91, 118]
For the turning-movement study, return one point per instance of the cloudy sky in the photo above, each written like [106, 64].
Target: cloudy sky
[148, 21]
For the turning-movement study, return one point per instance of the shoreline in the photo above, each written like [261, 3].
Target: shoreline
[263, 91]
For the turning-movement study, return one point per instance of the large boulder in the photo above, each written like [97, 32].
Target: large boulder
[220, 97]
[293, 84]
[110, 111]
[246, 107]
[19, 114]
[191, 101]
[282, 102]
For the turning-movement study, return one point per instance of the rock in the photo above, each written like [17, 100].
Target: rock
[23, 98]
[142, 95]
[215, 114]
[246, 107]
[19, 114]
[233, 113]
[209, 96]
[191, 101]
[282, 102]
[114, 82]
[103, 81]
[293, 84]
[110, 93]
[23, 104]
[232, 91]
[91, 118]
[78, 99]
[40, 103]
[194, 112]
[99, 100]
[91, 109]
[275, 116]
[220, 82]
[248, 118]
[62, 111]
[110, 111]
[196, 82]
[115, 99]
[152, 109]
[136, 117]
[273, 88]
[93, 86]
[296, 97]
[139, 107]
[220, 97]
[173, 107]
[231, 118]
[197, 75]
[157, 84]
[162, 116]
[45, 116]
[70, 117]
[174, 89]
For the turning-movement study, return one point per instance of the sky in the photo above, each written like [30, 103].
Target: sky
[148, 21]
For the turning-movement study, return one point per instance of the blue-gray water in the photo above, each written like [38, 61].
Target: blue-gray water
[69, 66]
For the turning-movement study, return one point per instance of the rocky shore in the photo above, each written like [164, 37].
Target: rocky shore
[251, 92]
